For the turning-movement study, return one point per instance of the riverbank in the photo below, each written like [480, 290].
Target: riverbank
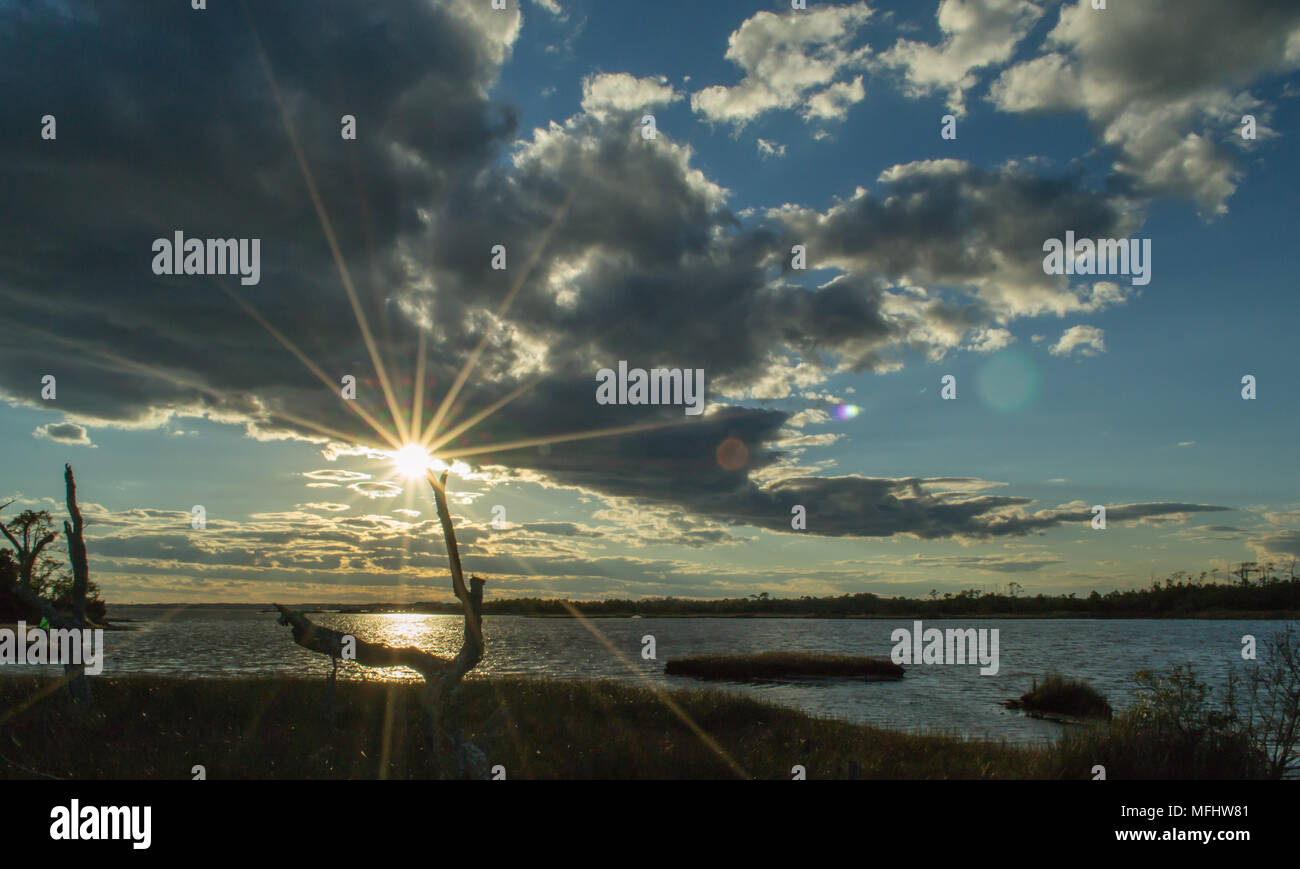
[1209, 615]
[154, 728]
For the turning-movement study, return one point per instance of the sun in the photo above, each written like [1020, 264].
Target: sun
[413, 461]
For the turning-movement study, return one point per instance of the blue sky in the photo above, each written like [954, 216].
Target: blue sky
[672, 252]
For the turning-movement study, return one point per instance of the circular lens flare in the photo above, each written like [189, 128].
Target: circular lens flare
[847, 411]
[732, 454]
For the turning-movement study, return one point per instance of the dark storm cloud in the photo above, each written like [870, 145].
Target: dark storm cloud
[166, 121]
[871, 507]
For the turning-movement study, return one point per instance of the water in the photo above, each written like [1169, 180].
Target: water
[199, 642]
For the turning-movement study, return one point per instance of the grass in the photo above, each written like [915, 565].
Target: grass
[147, 728]
[1059, 695]
[156, 728]
[783, 665]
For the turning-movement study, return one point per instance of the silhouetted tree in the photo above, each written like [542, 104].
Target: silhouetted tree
[442, 677]
[30, 536]
[29, 533]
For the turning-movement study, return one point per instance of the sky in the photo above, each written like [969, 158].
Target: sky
[920, 155]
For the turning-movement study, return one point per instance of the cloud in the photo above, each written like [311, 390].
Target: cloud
[1022, 563]
[1167, 106]
[638, 257]
[335, 475]
[192, 346]
[377, 489]
[620, 92]
[976, 34]
[64, 433]
[325, 506]
[795, 60]
[946, 222]
[1088, 340]
[1277, 546]
[989, 340]
[768, 149]
[551, 6]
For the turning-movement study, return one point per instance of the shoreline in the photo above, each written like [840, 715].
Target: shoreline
[1213, 615]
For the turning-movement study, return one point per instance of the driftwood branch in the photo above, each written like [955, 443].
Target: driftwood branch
[442, 676]
[471, 606]
[330, 642]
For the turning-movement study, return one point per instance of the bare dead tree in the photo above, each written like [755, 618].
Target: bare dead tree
[442, 676]
[36, 608]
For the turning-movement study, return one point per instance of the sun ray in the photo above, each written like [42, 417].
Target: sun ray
[660, 694]
[417, 401]
[189, 383]
[474, 420]
[559, 439]
[345, 276]
[355, 407]
[468, 367]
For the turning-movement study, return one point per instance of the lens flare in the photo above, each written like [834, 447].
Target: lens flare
[847, 411]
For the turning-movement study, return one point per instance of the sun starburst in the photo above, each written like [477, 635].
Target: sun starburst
[413, 461]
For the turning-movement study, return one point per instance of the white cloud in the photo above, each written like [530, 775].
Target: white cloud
[833, 103]
[770, 149]
[791, 61]
[989, 340]
[1163, 80]
[605, 93]
[976, 34]
[377, 489]
[1088, 340]
[551, 6]
[64, 433]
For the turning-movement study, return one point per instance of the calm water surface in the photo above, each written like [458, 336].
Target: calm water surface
[951, 699]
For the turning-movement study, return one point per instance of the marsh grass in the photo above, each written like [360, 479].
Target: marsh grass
[146, 728]
[1058, 695]
[156, 728]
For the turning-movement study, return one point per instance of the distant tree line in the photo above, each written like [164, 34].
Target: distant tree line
[1250, 587]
